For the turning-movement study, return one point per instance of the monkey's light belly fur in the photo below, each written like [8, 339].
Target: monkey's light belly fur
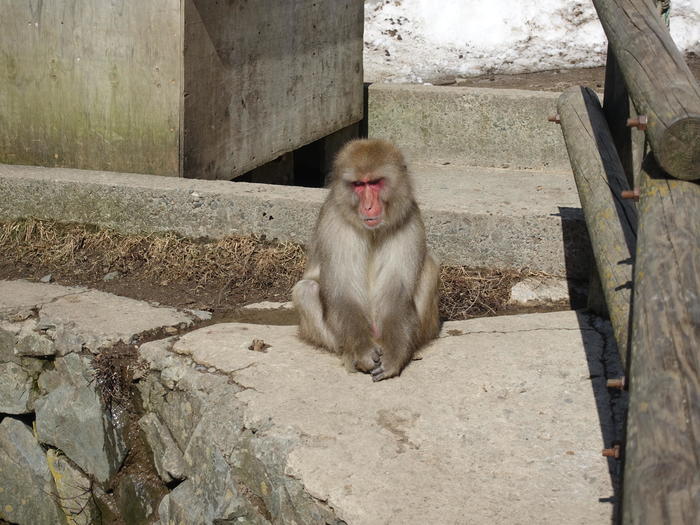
[497, 423]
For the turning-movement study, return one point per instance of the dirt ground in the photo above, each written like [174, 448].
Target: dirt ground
[556, 80]
[220, 276]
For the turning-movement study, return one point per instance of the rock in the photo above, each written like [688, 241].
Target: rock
[167, 457]
[26, 485]
[226, 480]
[211, 498]
[179, 410]
[46, 278]
[537, 291]
[74, 490]
[269, 305]
[305, 441]
[8, 340]
[30, 343]
[111, 276]
[18, 373]
[202, 315]
[71, 418]
[137, 498]
[66, 339]
[17, 389]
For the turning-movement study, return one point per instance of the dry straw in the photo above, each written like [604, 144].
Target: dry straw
[235, 261]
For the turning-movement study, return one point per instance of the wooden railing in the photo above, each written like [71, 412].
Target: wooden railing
[647, 255]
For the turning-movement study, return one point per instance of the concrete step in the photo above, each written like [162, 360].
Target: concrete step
[502, 218]
[472, 126]
[501, 420]
[479, 217]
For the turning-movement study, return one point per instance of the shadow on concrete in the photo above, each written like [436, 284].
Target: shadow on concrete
[601, 351]
[604, 363]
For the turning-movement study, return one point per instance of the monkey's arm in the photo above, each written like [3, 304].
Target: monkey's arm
[332, 296]
[399, 267]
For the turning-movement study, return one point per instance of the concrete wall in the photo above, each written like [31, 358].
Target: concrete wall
[264, 78]
[196, 88]
[92, 85]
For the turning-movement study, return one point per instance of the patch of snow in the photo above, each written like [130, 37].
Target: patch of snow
[419, 40]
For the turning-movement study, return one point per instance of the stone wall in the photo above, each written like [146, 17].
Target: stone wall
[90, 433]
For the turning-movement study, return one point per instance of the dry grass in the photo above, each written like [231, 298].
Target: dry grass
[467, 293]
[164, 258]
[244, 263]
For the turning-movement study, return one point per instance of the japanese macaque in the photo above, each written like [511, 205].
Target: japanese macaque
[370, 289]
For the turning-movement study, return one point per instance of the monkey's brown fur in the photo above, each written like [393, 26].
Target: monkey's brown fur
[370, 289]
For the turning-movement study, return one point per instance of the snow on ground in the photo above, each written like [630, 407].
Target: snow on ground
[420, 40]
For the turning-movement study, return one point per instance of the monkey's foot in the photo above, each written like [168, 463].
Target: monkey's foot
[369, 361]
[382, 371]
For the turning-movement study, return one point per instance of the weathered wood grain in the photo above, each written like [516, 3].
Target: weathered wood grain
[662, 458]
[611, 221]
[659, 81]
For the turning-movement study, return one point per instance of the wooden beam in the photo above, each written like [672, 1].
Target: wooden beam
[611, 221]
[659, 81]
[662, 454]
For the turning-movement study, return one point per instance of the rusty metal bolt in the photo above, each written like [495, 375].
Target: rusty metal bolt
[630, 194]
[613, 452]
[554, 118]
[617, 383]
[640, 122]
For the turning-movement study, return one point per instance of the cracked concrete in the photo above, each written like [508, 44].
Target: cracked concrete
[18, 296]
[76, 317]
[500, 419]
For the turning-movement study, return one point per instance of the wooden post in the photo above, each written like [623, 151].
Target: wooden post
[611, 221]
[659, 81]
[662, 457]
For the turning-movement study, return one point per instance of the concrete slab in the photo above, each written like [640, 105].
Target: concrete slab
[501, 421]
[534, 291]
[106, 318]
[76, 317]
[479, 217]
[474, 126]
[20, 295]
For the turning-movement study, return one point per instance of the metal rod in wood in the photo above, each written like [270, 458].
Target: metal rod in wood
[658, 80]
[611, 221]
[662, 470]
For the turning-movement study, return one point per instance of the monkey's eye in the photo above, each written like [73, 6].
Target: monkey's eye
[375, 183]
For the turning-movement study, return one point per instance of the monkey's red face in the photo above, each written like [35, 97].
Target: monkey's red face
[370, 207]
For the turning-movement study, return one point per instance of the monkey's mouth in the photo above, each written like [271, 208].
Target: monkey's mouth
[372, 222]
